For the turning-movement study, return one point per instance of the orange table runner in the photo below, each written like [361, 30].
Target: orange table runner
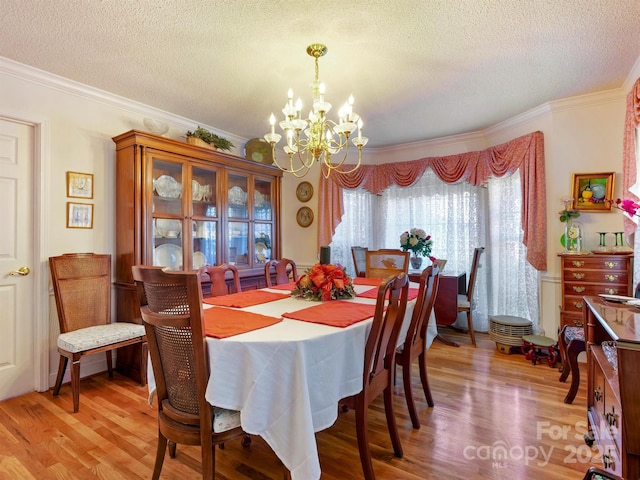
[374, 282]
[373, 293]
[222, 322]
[284, 286]
[335, 313]
[245, 299]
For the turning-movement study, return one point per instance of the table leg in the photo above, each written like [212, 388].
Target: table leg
[446, 341]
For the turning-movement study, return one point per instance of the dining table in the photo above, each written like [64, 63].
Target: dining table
[286, 378]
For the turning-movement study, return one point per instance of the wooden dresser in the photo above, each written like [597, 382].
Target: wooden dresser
[592, 274]
[613, 398]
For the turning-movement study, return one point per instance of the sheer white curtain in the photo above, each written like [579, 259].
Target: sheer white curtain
[459, 217]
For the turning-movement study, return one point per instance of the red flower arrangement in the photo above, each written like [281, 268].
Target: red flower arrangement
[323, 283]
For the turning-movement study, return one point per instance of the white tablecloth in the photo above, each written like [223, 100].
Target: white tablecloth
[287, 379]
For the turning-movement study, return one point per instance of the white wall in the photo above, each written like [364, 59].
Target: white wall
[582, 135]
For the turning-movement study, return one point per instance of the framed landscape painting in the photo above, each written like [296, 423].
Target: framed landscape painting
[593, 192]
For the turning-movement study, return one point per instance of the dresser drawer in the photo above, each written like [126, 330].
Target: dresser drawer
[592, 289]
[596, 263]
[596, 276]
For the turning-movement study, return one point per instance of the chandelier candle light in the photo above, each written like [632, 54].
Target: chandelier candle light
[317, 138]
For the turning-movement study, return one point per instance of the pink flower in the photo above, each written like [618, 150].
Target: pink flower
[628, 206]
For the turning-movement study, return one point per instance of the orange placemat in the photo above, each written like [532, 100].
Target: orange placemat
[284, 286]
[336, 313]
[373, 293]
[375, 282]
[225, 322]
[245, 299]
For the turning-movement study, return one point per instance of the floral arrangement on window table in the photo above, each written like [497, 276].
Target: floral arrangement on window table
[568, 213]
[323, 283]
[418, 242]
[628, 206]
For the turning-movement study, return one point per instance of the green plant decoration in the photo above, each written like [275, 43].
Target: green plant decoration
[220, 143]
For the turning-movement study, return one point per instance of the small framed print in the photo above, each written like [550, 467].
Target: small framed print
[79, 185]
[304, 217]
[304, 192]
[592, 192]
[79, 215]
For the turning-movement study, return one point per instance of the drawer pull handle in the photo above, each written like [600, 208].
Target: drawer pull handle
[611, 278]
[577, 263]
[612, 418]
[597, 396]
[612, 291]
[578, 276]
[578, 324]
[611, 264]
[579, 289]
[578, 305]
[608, 460]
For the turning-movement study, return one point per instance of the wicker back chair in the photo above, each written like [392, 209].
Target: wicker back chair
[82, 289]
[218, 278]
[379, 364]
[171, 308]
[385, 262]
[359, 255]
[285, 272]
[415, 343]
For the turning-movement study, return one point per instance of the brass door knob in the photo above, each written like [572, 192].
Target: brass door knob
[21, 272]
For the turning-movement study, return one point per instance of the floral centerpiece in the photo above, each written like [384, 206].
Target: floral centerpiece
[419, 243]
[323, 283]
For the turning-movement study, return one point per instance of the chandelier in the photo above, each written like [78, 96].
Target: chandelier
[316, 138]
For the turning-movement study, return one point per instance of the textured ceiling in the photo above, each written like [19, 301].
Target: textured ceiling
[417, 69]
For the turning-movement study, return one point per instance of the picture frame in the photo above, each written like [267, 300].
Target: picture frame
[79, 185]
[79, 215]
[593, 192]
[304, 217]
[304, 191]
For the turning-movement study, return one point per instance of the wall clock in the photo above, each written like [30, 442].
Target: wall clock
[304, 192]
[304, 217]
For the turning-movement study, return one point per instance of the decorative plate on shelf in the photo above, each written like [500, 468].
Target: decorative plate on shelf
[197, 191]
[167, 187]
[237, 196]
[199, 260]
[304, 192]
[168, 255]
[304, 217]
[168, 228]
[258, 150]
[258, 199]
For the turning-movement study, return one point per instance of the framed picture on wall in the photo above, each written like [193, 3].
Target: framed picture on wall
[593, 192]
[79, 215]
[79, 185]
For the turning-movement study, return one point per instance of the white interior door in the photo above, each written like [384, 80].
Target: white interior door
[17, 289]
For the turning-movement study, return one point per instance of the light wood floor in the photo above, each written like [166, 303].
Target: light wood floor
[487, 403]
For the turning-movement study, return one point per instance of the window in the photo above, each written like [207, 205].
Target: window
[459, 217]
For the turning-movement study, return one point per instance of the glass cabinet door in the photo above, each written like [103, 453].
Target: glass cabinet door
[263, 220]
[204, 217]
[238, 226]
[167, 213]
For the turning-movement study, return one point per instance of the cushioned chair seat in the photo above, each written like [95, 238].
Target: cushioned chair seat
[224, 419]
[99, 336]
[574, 333]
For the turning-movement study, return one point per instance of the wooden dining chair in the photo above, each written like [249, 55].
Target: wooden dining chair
[571, 342]
[285, 272]
[359, 255]
[171, 308]
[415, 343]
[465, 301]
[218, 278]
[385, 262]
[82, 290]
[379, 365]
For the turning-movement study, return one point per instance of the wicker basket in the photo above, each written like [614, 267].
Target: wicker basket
[198, 142]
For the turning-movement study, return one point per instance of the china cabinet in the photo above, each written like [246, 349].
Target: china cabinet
[181, 206]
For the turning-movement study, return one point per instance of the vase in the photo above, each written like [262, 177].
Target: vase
[416, 262]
